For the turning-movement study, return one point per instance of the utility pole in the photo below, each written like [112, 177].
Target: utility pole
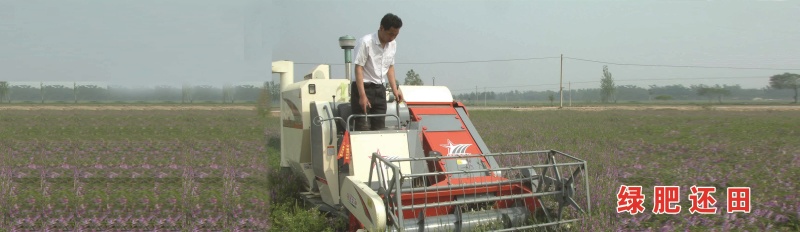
[570, 93]
[561, 82]
[484, 96]
[434, 81]
[476, 95]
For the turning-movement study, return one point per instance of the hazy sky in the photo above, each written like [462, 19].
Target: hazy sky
[213, 42]
[135, 42]
[716, 33]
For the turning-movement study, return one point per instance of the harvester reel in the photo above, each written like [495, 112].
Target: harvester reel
[566, 190]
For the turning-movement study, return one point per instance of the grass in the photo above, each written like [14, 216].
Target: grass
[135, 169]
[668, 147]
[215, 170]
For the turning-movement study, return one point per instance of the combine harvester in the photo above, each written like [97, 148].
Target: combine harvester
[429, 170]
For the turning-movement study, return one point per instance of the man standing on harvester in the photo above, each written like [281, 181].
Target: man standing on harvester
[374, 64]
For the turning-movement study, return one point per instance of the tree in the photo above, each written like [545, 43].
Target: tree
[91, 93]
[606, 85]
[4, 91]
[205, 93]
[664, 97]
[75, 91]
[227, 93]
[412, 78]
[58, 93]
[786, 81]
[166, 93]
[186, 93]
[274, 91]
[264, 105]
[711, 92]
[551, 97]
[41, 89]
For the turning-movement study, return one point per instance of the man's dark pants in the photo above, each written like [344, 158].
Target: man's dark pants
[376, 93]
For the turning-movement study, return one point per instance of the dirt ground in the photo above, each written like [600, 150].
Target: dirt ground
[244, 107]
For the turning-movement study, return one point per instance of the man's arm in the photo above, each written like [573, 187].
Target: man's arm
[360, 81]
[393, 83]
[361, 60]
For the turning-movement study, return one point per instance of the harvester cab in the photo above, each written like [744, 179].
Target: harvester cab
[428, 170]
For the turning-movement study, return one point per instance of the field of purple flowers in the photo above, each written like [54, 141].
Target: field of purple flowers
[720, 149]
[133, 170]
[212, 170]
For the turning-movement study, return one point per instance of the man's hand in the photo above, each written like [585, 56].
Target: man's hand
[398, 96]
[364, 102]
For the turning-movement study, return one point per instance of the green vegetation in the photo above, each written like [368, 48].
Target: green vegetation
[607, 88]
[134, 169]
[217, 169]
[412, 78]
[185, 94]
[668, 147]
[786, 81]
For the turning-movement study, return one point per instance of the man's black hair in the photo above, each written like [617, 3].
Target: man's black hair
[390, 21]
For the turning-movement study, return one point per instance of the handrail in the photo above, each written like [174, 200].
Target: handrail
[347, 125]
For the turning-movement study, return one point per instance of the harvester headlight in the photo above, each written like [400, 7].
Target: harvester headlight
[312, 89]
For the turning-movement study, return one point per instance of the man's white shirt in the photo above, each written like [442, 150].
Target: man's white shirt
[375, 59]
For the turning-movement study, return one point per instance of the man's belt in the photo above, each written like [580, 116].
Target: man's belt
[372, 85]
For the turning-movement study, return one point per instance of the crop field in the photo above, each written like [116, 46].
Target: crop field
[649, 148]
[216, 169]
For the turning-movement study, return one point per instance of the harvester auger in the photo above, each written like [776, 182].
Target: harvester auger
[428, 170]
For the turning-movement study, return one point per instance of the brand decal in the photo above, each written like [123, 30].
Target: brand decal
[352, 200]
[456, 149]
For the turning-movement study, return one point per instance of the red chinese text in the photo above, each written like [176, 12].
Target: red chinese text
[702, 201]
[630, 199]
[738, 199]
[665, 197]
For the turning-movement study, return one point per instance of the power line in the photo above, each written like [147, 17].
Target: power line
[676, 66]
[500, 87]
[672, 79]
[482, 61]
[622, 80]
[573, 58]
[458, 62]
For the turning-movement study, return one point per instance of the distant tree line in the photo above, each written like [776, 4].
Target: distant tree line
[631, 93]
[162, 93]
[779, 87]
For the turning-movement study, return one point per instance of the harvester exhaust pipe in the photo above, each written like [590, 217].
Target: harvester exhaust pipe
[286, 69]
[348, 43]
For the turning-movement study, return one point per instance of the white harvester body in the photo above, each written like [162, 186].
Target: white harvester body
[429, 169]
